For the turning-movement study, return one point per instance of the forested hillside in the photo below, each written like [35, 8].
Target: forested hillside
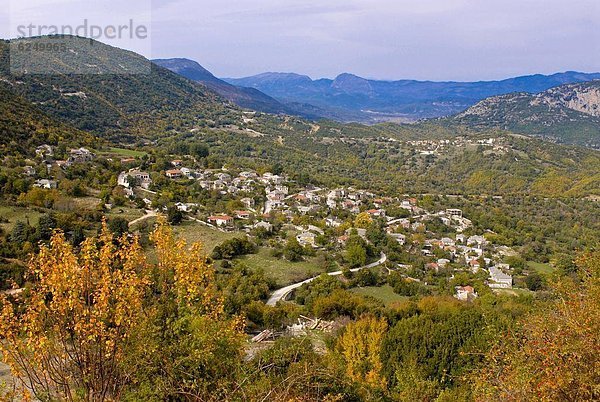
[23, 127]
[425, 159]
[111, 99]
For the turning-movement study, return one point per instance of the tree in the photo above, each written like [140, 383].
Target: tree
[232, 248]
[45, 227]
[554, 354]
[534, 281]
[118, 226]
[174, 215]
[70, 339]
[293, 251]
[199, 150]
[21, 232]
[363, 220]
[78, 236]
[356, 255]
[188, 347]
[103, 324]
[360, 347]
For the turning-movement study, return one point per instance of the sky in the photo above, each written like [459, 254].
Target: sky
[463, 40]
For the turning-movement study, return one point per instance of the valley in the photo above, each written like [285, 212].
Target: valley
[233, 240]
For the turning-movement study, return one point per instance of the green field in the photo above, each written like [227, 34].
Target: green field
[282, 271]
[385, 293]
[123, 152]
[540, 267]
[127, 213]
[14, 214]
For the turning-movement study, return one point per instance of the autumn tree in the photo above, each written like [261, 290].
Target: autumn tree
[360, 347]
[103, 324]
[188, 348]
[67, 340]
[555, 355]
[363, 220]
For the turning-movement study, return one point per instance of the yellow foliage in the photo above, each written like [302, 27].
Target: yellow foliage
[77, 316]
[363, 220]
[556, 353]
[360, 347]
[72, 333]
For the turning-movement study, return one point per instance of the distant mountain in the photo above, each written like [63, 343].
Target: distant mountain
[566, 114]
[105, 90]
[373, 101]
[249, 98]
[252, 98]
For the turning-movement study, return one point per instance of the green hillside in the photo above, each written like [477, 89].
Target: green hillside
[430, 157]
[110, 101]
[23, 127]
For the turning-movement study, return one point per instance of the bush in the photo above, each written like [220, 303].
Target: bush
[232, 248]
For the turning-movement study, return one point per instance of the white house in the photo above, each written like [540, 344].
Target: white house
[174, 174]
[46, 184]
[399, 237]
[186, 207]
[265, 225]
[143, 178]
[307, 239]
[248, 202]
[499, 280]
[221, 220]
[454, 212]
[465, 293]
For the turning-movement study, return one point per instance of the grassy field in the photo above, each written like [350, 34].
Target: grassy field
[14, 214]
[194, 232]
[86, 202]
[127, 213]
[385, 293]
[540, 267]
[282, 271]
[124, 152]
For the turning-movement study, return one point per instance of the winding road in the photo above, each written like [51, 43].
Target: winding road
[283, 293]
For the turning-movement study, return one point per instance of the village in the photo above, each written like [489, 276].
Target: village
[322, 219]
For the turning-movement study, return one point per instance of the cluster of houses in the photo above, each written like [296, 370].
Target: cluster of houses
[223, 181]
[46, 153]
[438, 147]
[134, 178]
[312, 200]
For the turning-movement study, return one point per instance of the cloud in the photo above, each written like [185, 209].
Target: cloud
[390, 39]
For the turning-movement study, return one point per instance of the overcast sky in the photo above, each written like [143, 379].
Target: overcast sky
[383, 39]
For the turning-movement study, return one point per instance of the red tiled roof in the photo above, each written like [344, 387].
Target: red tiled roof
[220, 217]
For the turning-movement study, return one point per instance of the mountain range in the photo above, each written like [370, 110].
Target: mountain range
[562, 107]
[112, 102]
[405, 100]
[248, 98]
[252, 98]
